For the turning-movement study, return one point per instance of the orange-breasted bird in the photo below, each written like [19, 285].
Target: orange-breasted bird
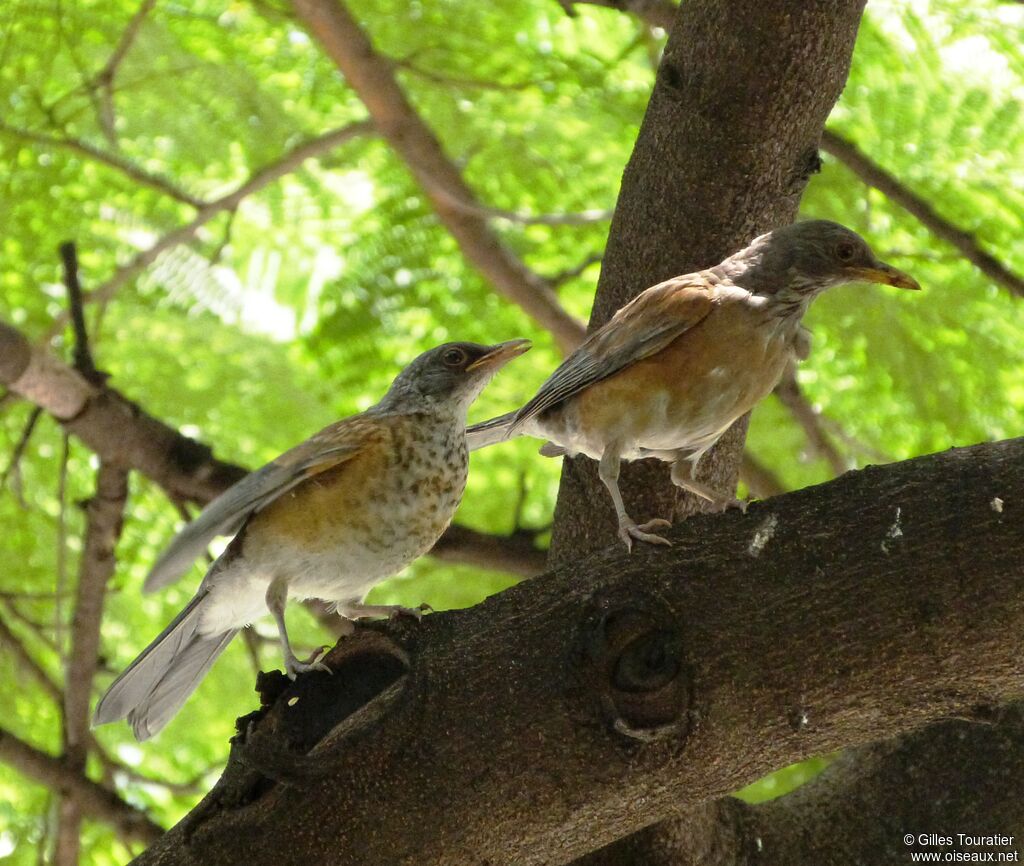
[669, 373]
[329, 519]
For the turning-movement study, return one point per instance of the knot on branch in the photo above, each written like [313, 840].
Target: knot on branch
[634, 661]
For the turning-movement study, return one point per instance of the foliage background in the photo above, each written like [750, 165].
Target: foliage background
[300, 306]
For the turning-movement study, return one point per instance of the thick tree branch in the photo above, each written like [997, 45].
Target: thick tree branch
[896, 191]
[97, 802]
[372, 77]
[968, 778]
[584, 705]
[124, 435]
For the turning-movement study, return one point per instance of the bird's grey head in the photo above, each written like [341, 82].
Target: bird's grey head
[795, 263]
[450, 376]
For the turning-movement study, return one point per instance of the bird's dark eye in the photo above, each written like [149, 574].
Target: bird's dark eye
[453, 357]
[845, 251]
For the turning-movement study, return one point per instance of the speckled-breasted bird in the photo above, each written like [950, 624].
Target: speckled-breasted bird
[668, 374]
[329, 519]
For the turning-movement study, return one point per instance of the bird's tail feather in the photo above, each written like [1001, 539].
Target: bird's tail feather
[489, 432]
[154, 686]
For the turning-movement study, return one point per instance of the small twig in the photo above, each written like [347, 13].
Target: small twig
[854, 443]
[62, 549]
[82, 354]
[656, 13]
[563, 277]
[287, 163]
[13, 470]
[38, 629]
[406, 64]
[517, 511]
[105, 77]
[112, 766]
[118, 163]
[917, 206]
[521, 217]
[762, 482]
[792, 397]
[252, 646]
[225, 238]
[27, 663]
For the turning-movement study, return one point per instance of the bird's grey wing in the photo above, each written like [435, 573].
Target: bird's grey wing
[644, 326]
[226, 514]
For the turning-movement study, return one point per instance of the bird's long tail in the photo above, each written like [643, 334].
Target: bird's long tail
[489, 432]
[154, 686]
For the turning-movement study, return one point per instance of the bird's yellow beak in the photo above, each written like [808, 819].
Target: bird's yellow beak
[501, 354]
[887, 275]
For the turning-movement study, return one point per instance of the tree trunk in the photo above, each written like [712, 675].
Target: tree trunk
[729, 141]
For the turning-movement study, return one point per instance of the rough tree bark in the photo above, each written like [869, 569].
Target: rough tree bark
[950, 778]
[582, 706]
[728, 143]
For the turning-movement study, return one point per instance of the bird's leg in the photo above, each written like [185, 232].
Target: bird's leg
[682, 476]
[277, 598]
[356, 610]
[608, 470]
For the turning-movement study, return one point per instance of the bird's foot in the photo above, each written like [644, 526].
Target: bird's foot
[727, 502]
[415, 612]
[628, 530]
[294, 666]
[391, 611]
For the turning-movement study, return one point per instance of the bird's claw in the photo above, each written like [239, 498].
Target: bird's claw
[293, 666]
[726, 504]
[415, 612]
[628, 530]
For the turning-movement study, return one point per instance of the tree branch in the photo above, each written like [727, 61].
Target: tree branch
[575, 709]
[957, 775]
[118, 163]
[762, 481]
[28, 664]
[372, 77]
[124, 435]
[655, 13]
[105, 513]
[265, 176]
[82, 353]
[98, 802]
[104, 79]
[896, 191]
[514, 554]
[791, 396]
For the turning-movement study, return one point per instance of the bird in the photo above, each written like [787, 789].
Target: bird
[671, 371]
[330, 518]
